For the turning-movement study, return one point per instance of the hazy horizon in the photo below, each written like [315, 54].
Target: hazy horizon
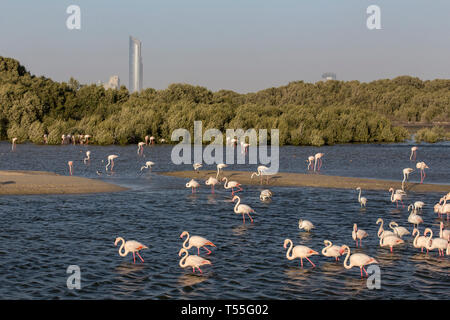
[244, 46]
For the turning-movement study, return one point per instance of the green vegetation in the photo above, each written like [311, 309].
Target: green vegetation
[433, 135]
[306, 114]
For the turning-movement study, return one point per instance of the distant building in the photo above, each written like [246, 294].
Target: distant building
[329, 76]
[113, 83]
[135, 65]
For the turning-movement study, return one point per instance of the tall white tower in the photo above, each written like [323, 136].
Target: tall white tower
[135, 66]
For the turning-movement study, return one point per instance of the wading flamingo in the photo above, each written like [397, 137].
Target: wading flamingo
[130, 246]
[70, 163]
[418, 205]
[361, 200]
[406, 173]
[331, 250]
[302, 252]
[196, 241]
[445, 207]
[220, 166]
[318, 161]
[231, 185]
[421, 242]
[152, 140]
[260, 170]
[381, 232]
[86, 138]
[413, 153]
[197, 166]
[358, 234]
[414, 218]
[88, 157]
[399, 231]
[194, 185]
[444, 233]
[244, 147]
[265, 195]
[305, 225]
[310, 162]
[13, 147]
[192, 261]
[422, 166]
[148, 165]
[242, 209]
[390, 241]
[437, 243]
[111, 158]
[147, 138]
[140, 149]
[357, 260]
[396, 197]
[212, 182]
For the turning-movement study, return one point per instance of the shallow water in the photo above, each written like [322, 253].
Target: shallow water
[42, 235]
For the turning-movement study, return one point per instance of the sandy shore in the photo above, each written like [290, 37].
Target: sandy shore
[40, 182]
[286, 179]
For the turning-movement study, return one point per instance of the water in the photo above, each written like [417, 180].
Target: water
[42, 235]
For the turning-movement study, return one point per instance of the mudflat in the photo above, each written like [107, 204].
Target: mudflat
[41, 182]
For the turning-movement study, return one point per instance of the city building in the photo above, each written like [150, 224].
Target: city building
[135, 66]
[113, 83]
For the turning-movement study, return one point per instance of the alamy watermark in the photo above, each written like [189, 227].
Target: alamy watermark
[74, 280]
[374, 279]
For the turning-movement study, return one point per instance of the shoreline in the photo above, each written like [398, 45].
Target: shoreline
[288, 179]
[22, 182]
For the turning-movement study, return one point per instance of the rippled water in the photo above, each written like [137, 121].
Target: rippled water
[42, 235]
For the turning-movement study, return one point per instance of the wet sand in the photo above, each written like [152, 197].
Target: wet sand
[286, 179]
[41, 182]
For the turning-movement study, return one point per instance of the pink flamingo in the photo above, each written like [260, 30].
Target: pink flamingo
[396, 197]
[310, 160]
[194, 185]
[196, 241]
[231, 185]
[140, 149]
[357, 260]
[331, 250]
[318, 160]
[13, 148]
[444, 233]
[437, 243]
[413, 153]
[406, 173]
[152, 140]
[390, 241]
[191, 261]
[298, 252]
[358, 234]
[130, 246]
[421, 242]
[70, 163]
[445, 207]
[88, 157]
[242, 209]
[422, 166]
[111, 161]
[146, 140]
[212, 182]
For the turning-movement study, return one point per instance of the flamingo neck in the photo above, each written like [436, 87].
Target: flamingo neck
[347, 266]
[183, 260]
[185, 242]
[122, 247]
[237, 205]
[291, 245]
[324, 250]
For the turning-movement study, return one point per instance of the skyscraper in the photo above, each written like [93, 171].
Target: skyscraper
[135, 66]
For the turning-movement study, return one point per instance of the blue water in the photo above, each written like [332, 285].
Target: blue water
[41, 236]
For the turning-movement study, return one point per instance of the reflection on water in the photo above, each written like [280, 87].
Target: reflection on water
[54, 231]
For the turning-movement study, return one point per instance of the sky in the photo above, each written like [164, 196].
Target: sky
[240, 45]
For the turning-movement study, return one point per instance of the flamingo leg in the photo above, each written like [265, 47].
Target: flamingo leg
[140, 256]
[134, 258]
[301, 262]
[212, 187]
[199, 269]
[311, 262]
[251, 220]
[360, 268]
[193, 269]
[198, 250]
[243, 218]
[209, 251]
[365, 271]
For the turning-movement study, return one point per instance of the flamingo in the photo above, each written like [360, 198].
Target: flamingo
[331, 250]
[130, 246]
[242, 209]
[231, 185]
[86, 138]
[381, 232]
[390, 241]
[396, 197]
[63, 138]
[318, 159]
[13, 144]
[444, 233]
[305, 225]
[244, 147]
[192, 261]
[298, 252]
[265, 194]
[140, 149]
[436, 243]
[111, 158]
[406, 173]
[197, 166]
[220, 166]
[193, 185]
[422, 166]
[196, 241]
[356, 260]
[146, 140]
[399, 231]
[310, 160]
[361, 200]
[88, 157]
[70, 163]
[152, 140]
[413, 153]
[358, 234]
[414, 218]
[162, 140]
[212, 182]
[421, 242]
[148, 165]
[45, 139]
[260, 170]
[445, 207]
[418, 205]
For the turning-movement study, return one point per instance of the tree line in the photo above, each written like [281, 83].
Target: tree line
[323, 113]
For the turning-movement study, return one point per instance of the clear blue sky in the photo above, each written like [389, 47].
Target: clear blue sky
[242, 45]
